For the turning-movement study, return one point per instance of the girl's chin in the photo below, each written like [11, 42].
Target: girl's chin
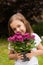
[23, 33]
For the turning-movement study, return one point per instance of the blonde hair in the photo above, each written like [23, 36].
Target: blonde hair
[19, 16]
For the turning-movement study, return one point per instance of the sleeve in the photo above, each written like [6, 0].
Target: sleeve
[37, 39]
[10, 46]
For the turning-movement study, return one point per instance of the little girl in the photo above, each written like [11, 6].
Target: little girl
[18, 23]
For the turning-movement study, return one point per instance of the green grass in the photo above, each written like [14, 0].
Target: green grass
[40, 59]
[4, 60]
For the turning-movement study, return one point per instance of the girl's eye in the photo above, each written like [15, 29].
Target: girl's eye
[19, 25]
[14, 29]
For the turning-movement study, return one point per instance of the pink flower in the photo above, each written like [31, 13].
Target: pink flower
[26, 36]
[19, 38]
[32, 37]
[20, 42]
[10, 39]
[16, 37]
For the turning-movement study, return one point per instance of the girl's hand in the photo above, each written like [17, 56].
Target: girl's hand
[30, 55]
[19, 56]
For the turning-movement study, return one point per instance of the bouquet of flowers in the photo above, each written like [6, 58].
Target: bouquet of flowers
[22, 43]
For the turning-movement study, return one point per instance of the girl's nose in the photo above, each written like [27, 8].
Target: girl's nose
[18, 30]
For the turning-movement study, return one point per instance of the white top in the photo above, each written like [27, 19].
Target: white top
[37, 42]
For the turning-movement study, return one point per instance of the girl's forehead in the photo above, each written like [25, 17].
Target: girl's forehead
[17, 22]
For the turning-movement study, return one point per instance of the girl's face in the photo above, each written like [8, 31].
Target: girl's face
[18, 26]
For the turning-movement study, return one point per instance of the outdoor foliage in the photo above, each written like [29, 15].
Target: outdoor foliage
[38, 28]
[31, 9]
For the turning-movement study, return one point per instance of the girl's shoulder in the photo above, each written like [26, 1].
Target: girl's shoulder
[37, 38]
[36, 35]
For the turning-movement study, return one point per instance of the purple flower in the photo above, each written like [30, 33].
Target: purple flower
[19, 38]
[16, 37]
[10, 39]
[20, 41]
[26, 36]
[32, 37]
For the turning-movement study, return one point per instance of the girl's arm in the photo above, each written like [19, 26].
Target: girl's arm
[14, 56]
[11, 55]
[37, 52]
[40, 46]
